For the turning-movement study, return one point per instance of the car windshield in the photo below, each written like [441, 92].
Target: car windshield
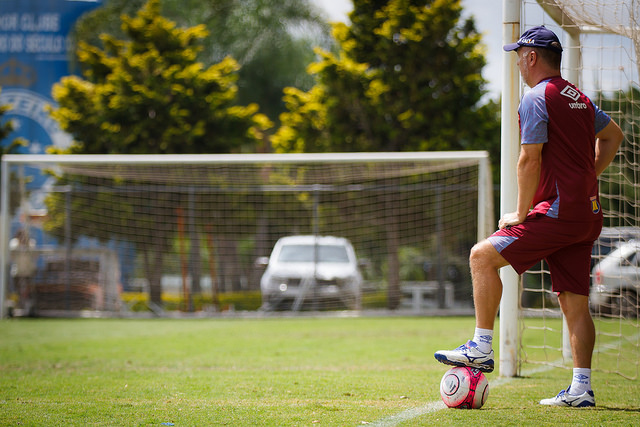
[305, 253]
[630, 259]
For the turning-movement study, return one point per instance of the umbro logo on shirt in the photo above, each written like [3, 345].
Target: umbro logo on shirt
[570, 92]
[573, 94]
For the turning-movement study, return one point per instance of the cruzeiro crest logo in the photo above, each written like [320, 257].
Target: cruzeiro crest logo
[574, 95]
[595, 205]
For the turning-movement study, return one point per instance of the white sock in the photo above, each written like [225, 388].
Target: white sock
[484, 339]
[581, 381]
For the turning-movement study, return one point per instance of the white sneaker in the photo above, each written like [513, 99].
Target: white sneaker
[467, 355]
[565, 398]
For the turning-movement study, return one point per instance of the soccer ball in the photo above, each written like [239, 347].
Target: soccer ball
[464, 388]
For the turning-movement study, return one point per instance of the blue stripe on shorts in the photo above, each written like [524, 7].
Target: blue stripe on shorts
[501, 242]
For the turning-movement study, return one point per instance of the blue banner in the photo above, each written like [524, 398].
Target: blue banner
[34, 54]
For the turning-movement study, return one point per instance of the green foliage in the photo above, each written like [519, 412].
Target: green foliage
[272, 40]
[6, 129]
[620, 180]
[149, 95]
[240, 301]
[407, 77]
[12, 147]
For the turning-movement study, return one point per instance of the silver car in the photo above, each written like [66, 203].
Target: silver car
[616, 281]
[311, 271]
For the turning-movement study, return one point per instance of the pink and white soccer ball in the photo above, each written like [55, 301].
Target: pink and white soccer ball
[464, 388]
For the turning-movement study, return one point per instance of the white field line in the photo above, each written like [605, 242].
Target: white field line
[438, 405]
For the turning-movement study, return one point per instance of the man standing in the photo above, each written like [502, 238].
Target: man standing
[566, 142]
[23, 269]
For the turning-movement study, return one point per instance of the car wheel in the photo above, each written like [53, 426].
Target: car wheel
[629, 304]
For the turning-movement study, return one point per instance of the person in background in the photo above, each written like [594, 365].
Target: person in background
[22, 269]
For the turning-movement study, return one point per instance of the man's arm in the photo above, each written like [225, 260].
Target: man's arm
[607, 144]
[529, 164]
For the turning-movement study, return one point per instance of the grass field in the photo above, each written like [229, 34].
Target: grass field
[275, 372]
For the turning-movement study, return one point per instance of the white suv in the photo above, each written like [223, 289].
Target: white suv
[311, 271]
[616, 281]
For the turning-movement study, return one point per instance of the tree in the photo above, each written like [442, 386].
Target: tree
[6, 129]
[148, 95]
[618, 191]
[407, 77]
[272, 40]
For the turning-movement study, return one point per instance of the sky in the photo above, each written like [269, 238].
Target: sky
[488, 17]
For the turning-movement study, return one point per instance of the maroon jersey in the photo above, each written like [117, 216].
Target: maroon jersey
[558, 115]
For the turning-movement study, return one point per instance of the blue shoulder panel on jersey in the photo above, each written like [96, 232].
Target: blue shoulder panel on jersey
[534, 117]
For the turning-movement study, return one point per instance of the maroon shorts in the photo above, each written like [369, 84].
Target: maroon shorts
[566, 246]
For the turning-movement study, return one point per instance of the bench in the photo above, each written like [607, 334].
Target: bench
[421, 295]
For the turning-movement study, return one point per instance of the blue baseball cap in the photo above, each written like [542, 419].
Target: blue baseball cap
[537, 37]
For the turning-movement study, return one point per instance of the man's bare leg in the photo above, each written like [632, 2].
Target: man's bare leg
[485, 261]
[582, 333]
[582, 337]
[487, 292]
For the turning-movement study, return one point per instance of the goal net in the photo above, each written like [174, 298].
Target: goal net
[193, 233]
[602, 41]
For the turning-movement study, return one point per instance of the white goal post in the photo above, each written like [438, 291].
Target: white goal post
[433, 202]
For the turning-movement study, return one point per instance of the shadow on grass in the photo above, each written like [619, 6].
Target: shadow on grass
[614, 409]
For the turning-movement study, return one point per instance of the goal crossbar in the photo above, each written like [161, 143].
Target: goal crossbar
[244, 158]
